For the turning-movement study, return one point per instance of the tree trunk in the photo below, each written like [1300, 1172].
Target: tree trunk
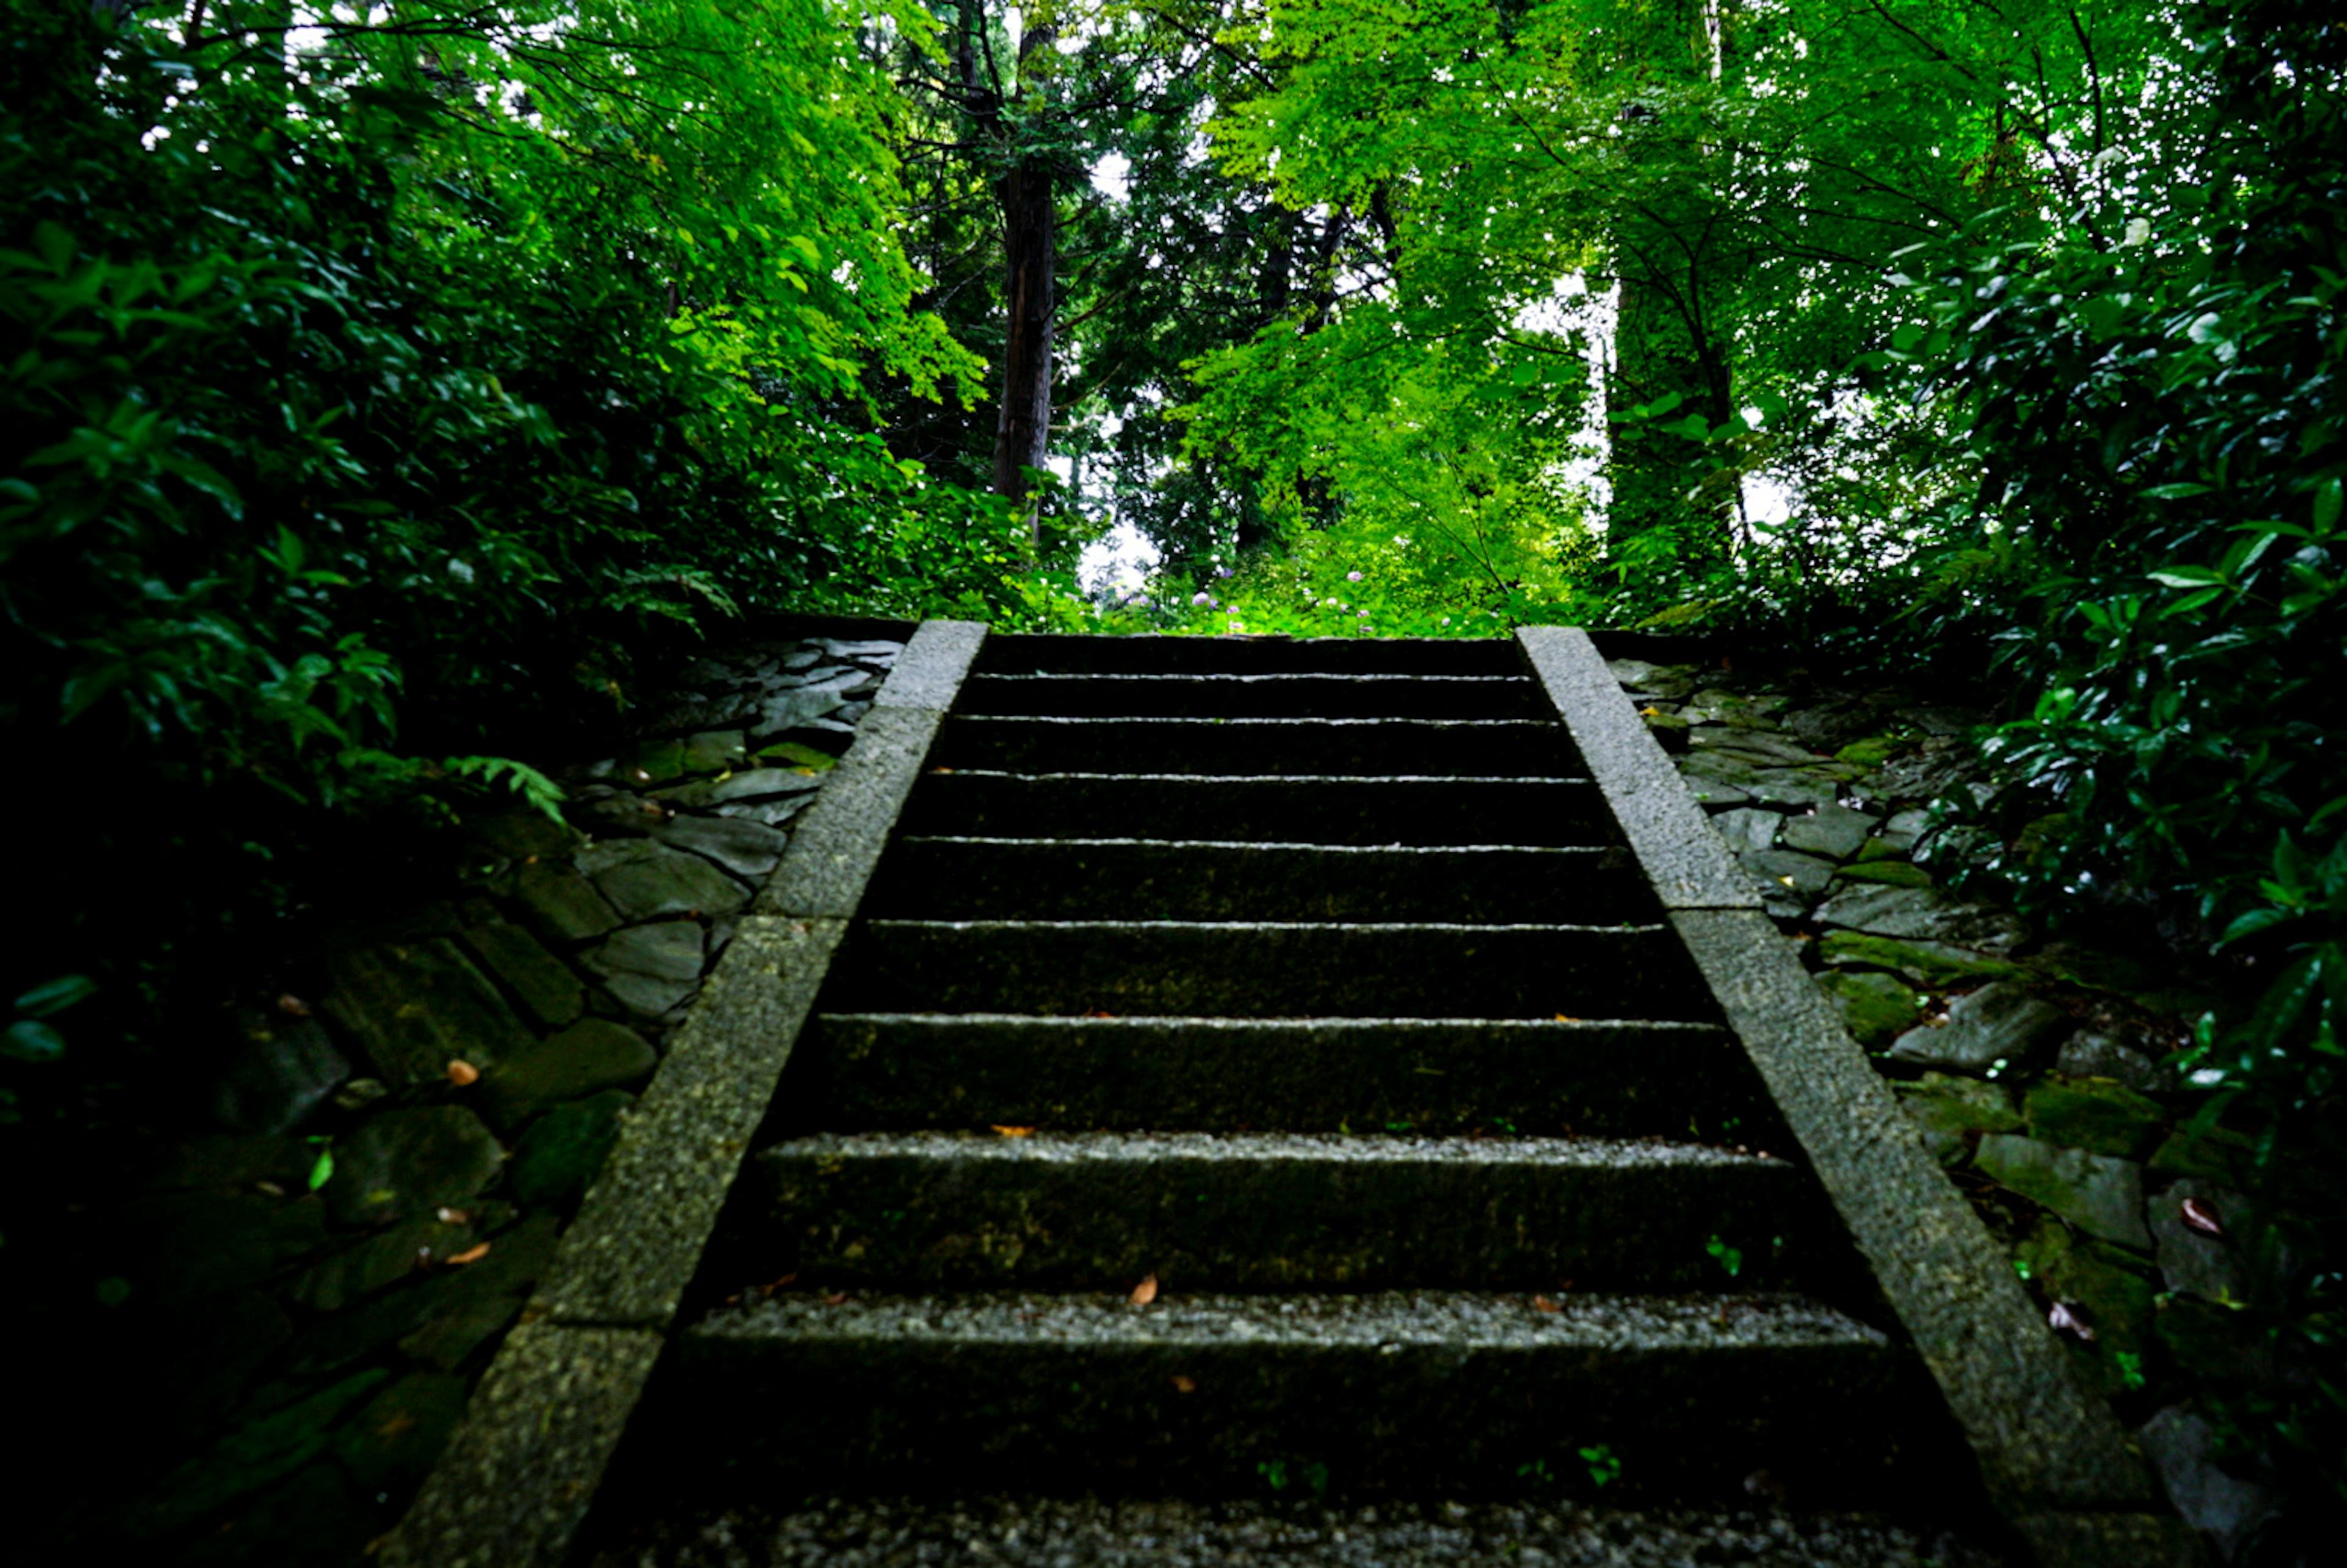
[1031, 244]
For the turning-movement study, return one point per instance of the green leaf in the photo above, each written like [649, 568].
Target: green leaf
[2175, 492]
[322, 1169]
[29, 1039]
[2187, 577]
[56, 995]
[800, 756]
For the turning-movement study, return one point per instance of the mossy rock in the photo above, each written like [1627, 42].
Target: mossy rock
[2093, 970]
[1874, 1007]
[2106, 1286]
[1932, 965]
[1888, 873]
[2219, 1155]
[565, 1148]
[1951, 1111]
[1872, 752]
[2100, 1115]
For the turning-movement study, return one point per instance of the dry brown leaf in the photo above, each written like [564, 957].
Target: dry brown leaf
[770, 1289]
[1566, 1018]
[1145, 1292]
[941, 770]
[1184, 1385]
[472, 1254]
[290, 1003]
[462, 1072]
[838, 1300]
[2201, 1217]
[1097, 1013]
[1015, 1131]
[1543, 1304]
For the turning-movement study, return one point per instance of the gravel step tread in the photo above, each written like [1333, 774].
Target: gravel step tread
[1511, 748]
[1577, 1321]
[1051, 1532]
[1402, 808]
[1266, 968]
[1150, 1148]
[944, 877]
[1155, 653]
[1274, 695]
[1603, 1077]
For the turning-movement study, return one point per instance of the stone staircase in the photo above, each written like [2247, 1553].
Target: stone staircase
[1208, 1099]
[1263, 1066]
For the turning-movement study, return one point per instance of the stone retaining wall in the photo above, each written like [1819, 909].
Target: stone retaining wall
[313, 1292]
[2044, 1075]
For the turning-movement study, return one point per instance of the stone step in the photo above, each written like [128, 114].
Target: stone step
[1275, 1211]
[942, 878]
[1607, 1077]
[1501, 748]
[1309, 809]
[1291, 1526]
[1284, 696]
[1159, 654]
[1425, 1393]
[1267, 970]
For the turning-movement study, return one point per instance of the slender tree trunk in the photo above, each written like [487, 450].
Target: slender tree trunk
[1030, 243]
[1031, 247]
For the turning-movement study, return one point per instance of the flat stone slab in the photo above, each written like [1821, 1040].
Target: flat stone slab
[1922, 915]
[1399, 810]
[1421, 1389]
[1266, 969]
[591, 1054]
[2100, 1195]
[403, 1163]
[2003, 1022]
[644, 880]
[1429, 1075]
[414, 1007]
[1260, 1210]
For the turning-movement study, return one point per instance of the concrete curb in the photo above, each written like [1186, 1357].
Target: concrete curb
[1689, 867]
[2053, 1458]
[517, 1480]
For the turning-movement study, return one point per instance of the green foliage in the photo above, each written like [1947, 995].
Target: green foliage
[377, 392]
[2157, 425]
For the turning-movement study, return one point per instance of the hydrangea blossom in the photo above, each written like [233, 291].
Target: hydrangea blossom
[1352, 577]
[1202, 598]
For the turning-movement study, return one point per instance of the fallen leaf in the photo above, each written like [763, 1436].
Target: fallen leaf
[1566, 1018]
[1145, 1292]
[1543, 1304]
[462, 1072]
[941, 770]
[2201, 1217]
[838, 1300]
[1097, 1013]
[2064, 1319]
[472, 1254]
[1184, 1385]
[770, 1289]
[290, 1003]
[1014, 1132]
